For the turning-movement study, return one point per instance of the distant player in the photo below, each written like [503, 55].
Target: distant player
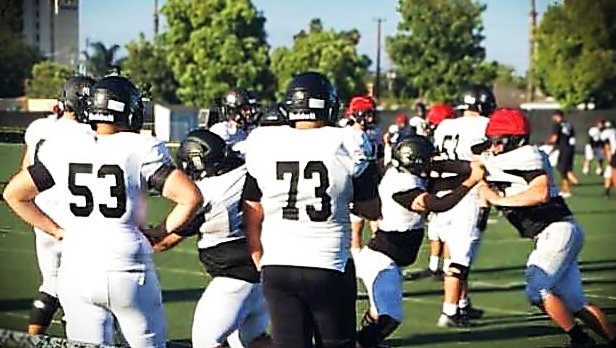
[399, 130]
[71, 114]
[296, 216]
[608, 137]
[461, 227]
[418, 121]
[405, 202]
[563, 139]
[529, 200]
[238, 109]
[107, 268]
[233, 301]
[593, 150]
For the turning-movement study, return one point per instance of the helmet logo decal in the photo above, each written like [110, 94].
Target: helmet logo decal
[231, 99]
[115, 105]
[299, 95]
[302, 116]
[469, 99]
[316, 103]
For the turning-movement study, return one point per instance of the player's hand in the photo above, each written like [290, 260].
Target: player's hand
[59, 235]
[477, 172]
[154, 234]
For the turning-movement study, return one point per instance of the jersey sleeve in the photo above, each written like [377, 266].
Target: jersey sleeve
[45, 170]
[156, 165]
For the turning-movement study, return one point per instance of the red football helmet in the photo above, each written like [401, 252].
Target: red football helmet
[507, 122]
[438, 113]
[401, 119]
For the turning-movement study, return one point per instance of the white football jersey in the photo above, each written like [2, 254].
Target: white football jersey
[594, 134]
[510, 167]
[453, 138]
[306, 180]
[394, 217]
[223, 212]
[100, 181]
[419, 125]
[363, 143]
[608, 136]
[229, 132]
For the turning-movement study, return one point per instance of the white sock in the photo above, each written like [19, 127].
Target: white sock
[446, 263]
[433, 263]
[585, 170]
[450, 309]
[463, 303]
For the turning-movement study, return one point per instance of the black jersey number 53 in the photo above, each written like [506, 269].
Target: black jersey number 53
[117, 191]
[291, 211]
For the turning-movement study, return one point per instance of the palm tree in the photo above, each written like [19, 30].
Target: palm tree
[101, 60]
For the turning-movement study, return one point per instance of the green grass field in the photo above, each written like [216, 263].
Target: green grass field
[497, 281]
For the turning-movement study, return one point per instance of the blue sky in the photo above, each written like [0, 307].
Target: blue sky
[505, 21]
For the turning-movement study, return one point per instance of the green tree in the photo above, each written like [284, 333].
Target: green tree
[438, 47]
[327, 51]
[507, 76]
[216, 45]
[47, 80]
[101, 60]
[575, 59]
[16, 57]
[147, 66]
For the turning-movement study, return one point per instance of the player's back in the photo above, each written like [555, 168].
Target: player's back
[100, 182]
[306, 180]
[454, 138]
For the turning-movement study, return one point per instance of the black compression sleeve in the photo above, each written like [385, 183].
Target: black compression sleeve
[41, 176]
[157, 180]
[406, 198]
[251, 190]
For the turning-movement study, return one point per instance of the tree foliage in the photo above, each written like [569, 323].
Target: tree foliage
[147, 66]
[327, 51]
[438, 47]
[575, 58]
[16, 57]
[47, 80]
[215, 45]
[101, 59]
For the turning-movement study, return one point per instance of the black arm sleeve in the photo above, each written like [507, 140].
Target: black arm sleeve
[406, 198]
[157, 180]
[527, 175]
[41, 176]
[477, 149]
[439, 205]
[366, 186]
[251, 190]
[192, 227]
[451, 166]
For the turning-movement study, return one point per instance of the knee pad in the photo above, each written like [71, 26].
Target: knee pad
[374, 331]
[43, 309]
[457, 270]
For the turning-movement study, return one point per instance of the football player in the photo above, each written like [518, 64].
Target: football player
[405, 202]
[233, 300]
[360, 108]
[563, 139]
[608, 137]
[418, 122]
[296, 216]
[529, 200]
[399, 130]
[593, 150]
[237, 110]
[461, 227]
[100, 179]
[71, 113]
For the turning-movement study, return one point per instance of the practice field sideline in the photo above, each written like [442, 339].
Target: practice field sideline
[497, 281]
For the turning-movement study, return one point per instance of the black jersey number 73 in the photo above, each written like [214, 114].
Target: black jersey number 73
[291, 211]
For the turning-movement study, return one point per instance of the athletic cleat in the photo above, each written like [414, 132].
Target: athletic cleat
[471, 312]
[457, 320]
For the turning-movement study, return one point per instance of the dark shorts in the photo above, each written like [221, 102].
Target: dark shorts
[565, 161]
[401, 247]
[311, 302]
[613, 160]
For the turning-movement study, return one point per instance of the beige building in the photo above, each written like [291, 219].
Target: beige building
[53, 27]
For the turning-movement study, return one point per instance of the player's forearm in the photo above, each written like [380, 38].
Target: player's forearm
[34, 216]
[252, 220]
[168, 242]
[441, 204]
[180, 216]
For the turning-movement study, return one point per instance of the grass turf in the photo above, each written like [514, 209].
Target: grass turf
[497, 280]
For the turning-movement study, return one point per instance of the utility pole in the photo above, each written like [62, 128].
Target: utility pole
[530, 83]
[377, 81]
[155, 18]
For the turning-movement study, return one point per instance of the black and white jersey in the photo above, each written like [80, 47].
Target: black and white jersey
[511, 173]
[419, 125]
[395, 217]
[305, 180]
[565, 136]
[100, 182]
[594, 137]
[608, 136]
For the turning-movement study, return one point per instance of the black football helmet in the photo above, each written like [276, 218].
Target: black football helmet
[478, 98]
[421, 110]
[204, 154]
[74, 96]
[412, 154]
[238, 105]
[311, 97]
[115, 99]
[273, 116]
